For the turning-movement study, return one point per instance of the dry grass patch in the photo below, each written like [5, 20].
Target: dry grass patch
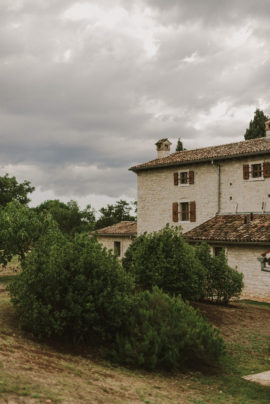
[35, 372]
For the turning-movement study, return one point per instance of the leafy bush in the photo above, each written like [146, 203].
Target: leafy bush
[222, 282]
[73, 289]
[20, 229]
[165, 332]
[166, 260]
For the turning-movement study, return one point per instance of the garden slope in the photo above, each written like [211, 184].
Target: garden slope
[31, 372]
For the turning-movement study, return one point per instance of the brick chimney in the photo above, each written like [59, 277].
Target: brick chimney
[267, 128]
[163, 148]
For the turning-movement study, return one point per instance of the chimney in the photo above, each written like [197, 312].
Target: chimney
[163, 148]
[267, 128]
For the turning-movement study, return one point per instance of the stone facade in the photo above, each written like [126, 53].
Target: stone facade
[109, 243]
[219, 187]
[245, 260]
[157, 193]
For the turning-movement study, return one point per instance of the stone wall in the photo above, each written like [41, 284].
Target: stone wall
[108, 242]
[245, 260]
[157, 193]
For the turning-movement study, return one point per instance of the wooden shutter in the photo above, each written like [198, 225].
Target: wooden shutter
[246, 171]
[192, 211]
[175, 212]
[266, 169]
[175, 178]
[191, 177]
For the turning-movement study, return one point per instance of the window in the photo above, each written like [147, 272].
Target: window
[184, 212]
[117, 248]
[217, 251]
[184, 177]
[265, 261]
[256, 170]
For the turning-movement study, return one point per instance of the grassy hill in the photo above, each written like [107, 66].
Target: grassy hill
[34, 372]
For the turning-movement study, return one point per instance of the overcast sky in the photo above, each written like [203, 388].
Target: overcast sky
[88, 87]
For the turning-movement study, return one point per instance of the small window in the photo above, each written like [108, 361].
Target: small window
[256, 170]
[117, 248]
[184, 213]
[217, 251]
[184, 177]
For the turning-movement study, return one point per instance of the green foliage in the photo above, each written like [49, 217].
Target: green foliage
[69, 217]
[256, 126]
[10, 190]
[166, 260]
[179, 146]
[20, 228]
[166, 332]
[223, 282]
[113, 214]
[73, 289]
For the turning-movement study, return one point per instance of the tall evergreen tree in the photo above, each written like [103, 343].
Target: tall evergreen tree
[179, 146]
[256, 126]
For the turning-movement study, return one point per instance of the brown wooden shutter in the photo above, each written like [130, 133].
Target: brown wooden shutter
[192, 211]
[191, 177]
[266, 169]
[175, 178]
[175, 212]
[246, 171]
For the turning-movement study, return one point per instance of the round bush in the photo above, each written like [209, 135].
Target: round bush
[73, 289]
[222, 281]
[166, 332]
[166, 260]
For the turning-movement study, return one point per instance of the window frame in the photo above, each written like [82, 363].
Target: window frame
[117, 248]
[183, 184]
[251, 178]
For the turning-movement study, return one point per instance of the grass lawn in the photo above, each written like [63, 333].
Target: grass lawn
[33, 372]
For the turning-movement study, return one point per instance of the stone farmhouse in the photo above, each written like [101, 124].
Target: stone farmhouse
[219, 194]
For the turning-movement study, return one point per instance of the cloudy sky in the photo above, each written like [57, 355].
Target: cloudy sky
[88, 87]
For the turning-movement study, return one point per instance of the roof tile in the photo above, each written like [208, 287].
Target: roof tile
[247, 147]
[233, 228]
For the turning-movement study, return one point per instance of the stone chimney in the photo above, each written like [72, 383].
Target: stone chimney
[267, 128]
[163, 148]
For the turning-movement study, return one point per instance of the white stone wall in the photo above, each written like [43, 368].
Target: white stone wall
[157, 192]
[239, 195]
[257, 282]
[108, 242]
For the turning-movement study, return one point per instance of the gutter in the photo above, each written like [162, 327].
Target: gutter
[116, 235]
[258, 243]
[187, 162]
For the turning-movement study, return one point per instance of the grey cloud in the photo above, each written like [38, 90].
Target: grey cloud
[79, 104]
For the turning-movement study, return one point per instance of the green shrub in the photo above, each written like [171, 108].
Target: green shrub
[166, 260]
[222, 282]
[74, 289]
[165, 332]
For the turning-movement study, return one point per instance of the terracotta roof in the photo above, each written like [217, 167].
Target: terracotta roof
[225, 151]
[124, 228]
[233, 228]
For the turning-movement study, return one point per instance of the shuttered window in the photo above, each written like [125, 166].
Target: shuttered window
[184, 211]
[192, 210]
[246, 171]
[175, 212]
[266, 169]
[183, 178]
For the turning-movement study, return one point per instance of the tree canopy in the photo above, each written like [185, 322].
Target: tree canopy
[256, 127]
[179, 146]
[69, 217]
[113, 214]
[10, 190]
